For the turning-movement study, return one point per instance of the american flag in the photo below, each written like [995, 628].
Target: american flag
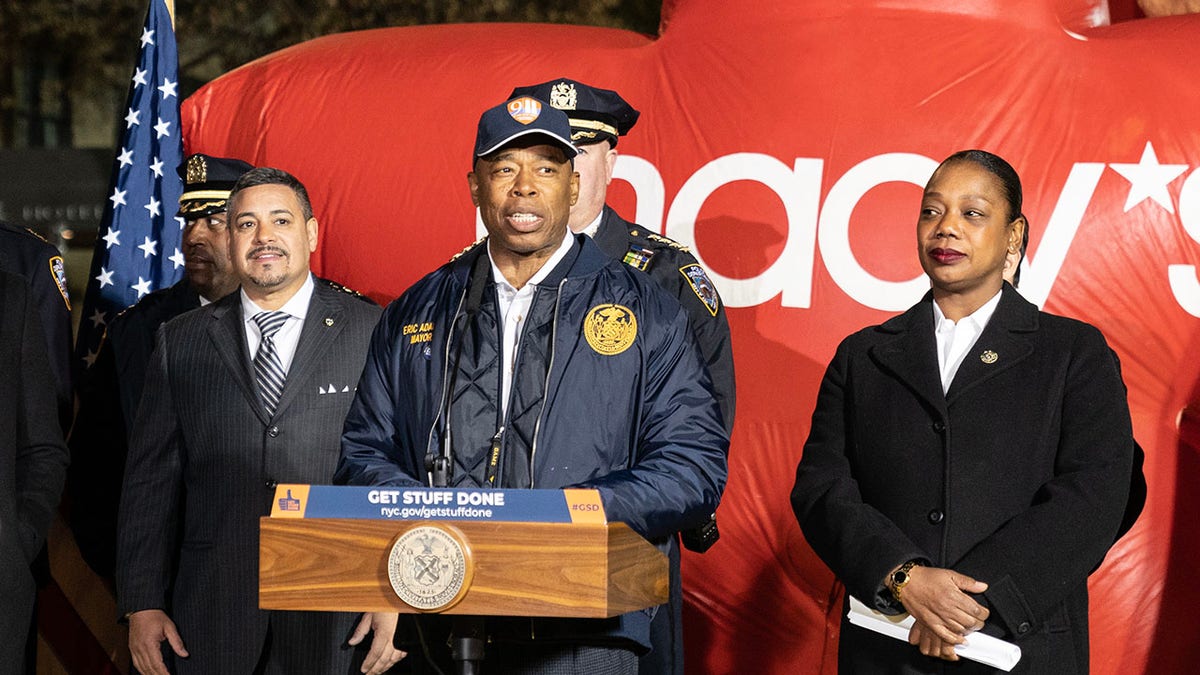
[138, 245]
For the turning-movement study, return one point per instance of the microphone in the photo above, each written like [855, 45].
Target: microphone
[440, 466]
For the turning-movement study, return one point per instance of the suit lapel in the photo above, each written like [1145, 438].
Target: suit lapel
[912, 355]
[229, 337]
[322, 325]
[1003, 344]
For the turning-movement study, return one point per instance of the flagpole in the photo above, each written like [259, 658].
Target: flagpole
[171, 10]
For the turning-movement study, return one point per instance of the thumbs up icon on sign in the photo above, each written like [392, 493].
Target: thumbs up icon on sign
[289, 503]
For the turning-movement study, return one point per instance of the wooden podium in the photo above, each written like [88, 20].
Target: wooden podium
[546, 553]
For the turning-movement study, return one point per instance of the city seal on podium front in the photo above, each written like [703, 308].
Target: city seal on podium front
[430, 568]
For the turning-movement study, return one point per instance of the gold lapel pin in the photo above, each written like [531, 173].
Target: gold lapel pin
[989, 357]
[328, 321]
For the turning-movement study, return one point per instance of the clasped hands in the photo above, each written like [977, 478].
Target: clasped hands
[943, 612]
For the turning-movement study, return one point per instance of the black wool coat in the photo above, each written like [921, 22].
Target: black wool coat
[1017, 476]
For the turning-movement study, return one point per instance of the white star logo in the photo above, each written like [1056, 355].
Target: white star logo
[1148, 179]
[98, 317]
[147, 37]
[177, 258]
[142, 287]
[117, 198]
[113, 238]
[131, 118]
[90, 359]
[139, 77]
[149, 247]
[126, 157]
[152, 207]
[163, 128]
[156, 167]
[105, 277]
[168, 89]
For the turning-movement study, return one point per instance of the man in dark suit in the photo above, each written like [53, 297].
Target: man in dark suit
[33, 461]
[237, 399]
[110, 390]
[598, 117]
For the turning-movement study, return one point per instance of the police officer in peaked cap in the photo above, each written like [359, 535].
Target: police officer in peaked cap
[111, 388]
[598, 118]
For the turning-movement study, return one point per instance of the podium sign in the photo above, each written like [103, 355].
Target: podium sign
[545, 553]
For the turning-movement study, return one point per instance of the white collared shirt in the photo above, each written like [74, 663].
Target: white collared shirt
[594, 226]
[955, 339]
[514, 308]
[289, 334]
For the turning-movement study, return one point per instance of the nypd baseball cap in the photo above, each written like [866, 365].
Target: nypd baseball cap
[520, 117]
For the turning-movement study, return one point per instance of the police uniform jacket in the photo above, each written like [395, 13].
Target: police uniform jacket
[204, 460]
[1017, 476]
[26, 254]
[33, 461]
[108, 398]
[676, 270]
[629, 412]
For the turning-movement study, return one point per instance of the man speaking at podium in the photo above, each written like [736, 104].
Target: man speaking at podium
[533, 360]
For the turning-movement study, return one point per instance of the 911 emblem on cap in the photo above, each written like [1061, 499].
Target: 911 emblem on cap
[525, 109]
[430, 568]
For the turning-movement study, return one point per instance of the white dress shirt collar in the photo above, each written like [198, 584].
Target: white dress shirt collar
[514, 307]
[955, 339]
[594, 226]
[288, 336]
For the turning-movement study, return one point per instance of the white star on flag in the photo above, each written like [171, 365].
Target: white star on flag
[98, 319]
[1148, 179]
[90, 359]
[142, 287]
[148, 247]
[177, 258]
[146, 161]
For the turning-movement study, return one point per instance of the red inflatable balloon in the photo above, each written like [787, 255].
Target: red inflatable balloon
[786, 143]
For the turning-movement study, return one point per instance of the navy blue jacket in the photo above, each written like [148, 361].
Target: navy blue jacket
[642, 426]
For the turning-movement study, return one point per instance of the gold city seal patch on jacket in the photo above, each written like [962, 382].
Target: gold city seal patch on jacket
[610, 329]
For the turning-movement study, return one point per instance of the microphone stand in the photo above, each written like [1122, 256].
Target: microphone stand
[467, 633]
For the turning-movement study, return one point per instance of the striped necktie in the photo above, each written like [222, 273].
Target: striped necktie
[268, 369]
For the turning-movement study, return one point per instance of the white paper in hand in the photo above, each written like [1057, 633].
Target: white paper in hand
[982, 648]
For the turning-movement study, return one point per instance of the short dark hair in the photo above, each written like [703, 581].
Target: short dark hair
[1010, 182]
[266, 175]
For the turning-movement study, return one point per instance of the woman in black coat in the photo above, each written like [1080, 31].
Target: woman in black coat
[969, 460]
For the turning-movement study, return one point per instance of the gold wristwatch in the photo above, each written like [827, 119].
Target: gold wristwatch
[901, 577]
